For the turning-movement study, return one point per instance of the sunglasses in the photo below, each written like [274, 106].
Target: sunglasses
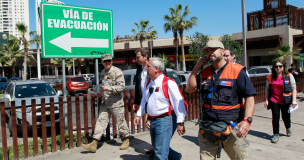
[278, 66]
[107, 61]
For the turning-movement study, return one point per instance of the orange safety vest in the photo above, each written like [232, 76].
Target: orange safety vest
[225, 103]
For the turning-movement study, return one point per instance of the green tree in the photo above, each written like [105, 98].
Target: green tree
[184, 25]
[11, 49]
[230, 43]
[23, 29]
[58, 61]
[172, 25]
[3, 61]
[283, 55]
[197, 42]
[166, 60]
[143, 28]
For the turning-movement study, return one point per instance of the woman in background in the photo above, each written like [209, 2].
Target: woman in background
[281, 93]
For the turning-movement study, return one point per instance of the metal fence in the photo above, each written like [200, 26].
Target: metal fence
[191, 99]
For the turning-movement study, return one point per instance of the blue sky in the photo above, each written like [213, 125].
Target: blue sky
[215, 17]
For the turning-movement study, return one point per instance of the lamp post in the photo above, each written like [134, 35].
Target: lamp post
[244, 33]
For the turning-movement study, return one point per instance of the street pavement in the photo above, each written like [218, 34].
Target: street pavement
[259, 136]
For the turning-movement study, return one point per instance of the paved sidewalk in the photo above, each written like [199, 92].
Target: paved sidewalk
[259, 136]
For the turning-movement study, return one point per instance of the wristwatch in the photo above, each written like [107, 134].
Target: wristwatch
[181, 123]
[248, 120]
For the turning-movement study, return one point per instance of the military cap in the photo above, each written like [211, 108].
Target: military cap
[106, 57]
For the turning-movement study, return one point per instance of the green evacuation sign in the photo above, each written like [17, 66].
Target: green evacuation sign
[302, 56]
[75, 32]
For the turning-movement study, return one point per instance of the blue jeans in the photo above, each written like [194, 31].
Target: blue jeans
[173, 155]
[161, 133]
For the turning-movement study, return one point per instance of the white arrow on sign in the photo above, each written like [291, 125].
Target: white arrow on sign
[66, 42]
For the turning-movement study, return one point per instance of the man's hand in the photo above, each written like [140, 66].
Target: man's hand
[244, 129]
[104, 88]
[201, 62]
[135, 107]
[136, 120]
[180, 129]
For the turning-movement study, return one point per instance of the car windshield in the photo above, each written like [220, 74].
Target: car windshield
[173, 75]
[14, 78]
[3, 80]
[78, 79]
[50, 80]
[34, 90]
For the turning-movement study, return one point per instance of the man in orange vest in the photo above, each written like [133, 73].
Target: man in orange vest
[227, 85]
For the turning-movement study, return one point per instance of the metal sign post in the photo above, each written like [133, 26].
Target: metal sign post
[64, 96]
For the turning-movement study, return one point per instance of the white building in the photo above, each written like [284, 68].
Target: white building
[12, 12]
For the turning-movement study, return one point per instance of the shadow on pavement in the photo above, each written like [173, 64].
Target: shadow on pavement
[191, 139]
[259, 134]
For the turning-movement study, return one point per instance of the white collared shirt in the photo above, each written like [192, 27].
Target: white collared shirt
[143, 77]
[158, 104]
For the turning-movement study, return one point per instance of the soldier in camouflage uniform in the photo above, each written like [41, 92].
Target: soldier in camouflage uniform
[113, 83]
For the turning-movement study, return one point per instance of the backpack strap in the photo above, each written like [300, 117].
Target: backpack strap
[166, 92]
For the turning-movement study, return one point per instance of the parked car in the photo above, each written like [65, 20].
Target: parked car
[90, 81]
[51, 80]
[28, 90]
[3, 84]
[74, 84]
[94, 79]
[14, 79]
[87, 76]
[130, 79]
[257, 71]
[183, 76]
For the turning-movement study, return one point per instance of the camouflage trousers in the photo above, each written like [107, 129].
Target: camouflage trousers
[104, 118]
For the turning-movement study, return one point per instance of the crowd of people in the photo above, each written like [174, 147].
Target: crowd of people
[226, 93]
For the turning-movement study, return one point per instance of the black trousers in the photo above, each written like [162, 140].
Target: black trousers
[275, 108]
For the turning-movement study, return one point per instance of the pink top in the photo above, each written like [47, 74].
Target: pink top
[277, 90]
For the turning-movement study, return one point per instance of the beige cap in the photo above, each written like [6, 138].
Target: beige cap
[106, 57]
[213, 44]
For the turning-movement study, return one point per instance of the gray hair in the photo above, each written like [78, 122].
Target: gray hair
[144, 52]
[158, 62]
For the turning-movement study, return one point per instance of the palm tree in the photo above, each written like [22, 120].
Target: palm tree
[283, 55]
[143, 28]
[11, 49]
[166, 60]
[37, 40]
[23, 29]
[68, 62]
[184, 25]
[172, 25]
[3, 61]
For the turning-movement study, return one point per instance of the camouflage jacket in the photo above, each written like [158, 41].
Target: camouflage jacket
[115, 81]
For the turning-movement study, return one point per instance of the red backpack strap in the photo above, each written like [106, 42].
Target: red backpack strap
[166, 92]
[148, 83]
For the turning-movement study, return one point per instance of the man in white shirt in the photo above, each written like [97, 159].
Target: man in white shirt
[156, 105]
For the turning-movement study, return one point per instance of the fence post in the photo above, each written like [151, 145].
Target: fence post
[61, 123]
[3, 128]
[14, 130]
[126, 103]
[86, 118]
[132, 111]
[24, 128]
[70, 123]
[114, 127]
[43, 126]
[93, 120]
[53, 125]
[78, 121]
[34, 126]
